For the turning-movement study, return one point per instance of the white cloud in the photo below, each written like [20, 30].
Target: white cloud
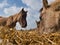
[34, 4]
[3, 4]
[33, 7]
[12, 10]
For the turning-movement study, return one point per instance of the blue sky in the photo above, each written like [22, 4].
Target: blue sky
[10, 7]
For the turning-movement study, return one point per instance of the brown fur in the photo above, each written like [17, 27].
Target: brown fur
[12, 20]
[38, 23]
[50, 17]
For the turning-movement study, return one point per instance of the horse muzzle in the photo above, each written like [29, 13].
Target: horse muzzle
[24, 26]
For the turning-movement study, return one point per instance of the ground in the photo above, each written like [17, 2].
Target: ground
[9, 36]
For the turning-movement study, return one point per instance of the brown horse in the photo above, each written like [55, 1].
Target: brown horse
[12, 20]
[38, 23]
[50, 17]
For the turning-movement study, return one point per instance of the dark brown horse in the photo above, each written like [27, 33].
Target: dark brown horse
[12, 20]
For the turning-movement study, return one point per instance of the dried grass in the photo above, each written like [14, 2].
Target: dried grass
[9, 36]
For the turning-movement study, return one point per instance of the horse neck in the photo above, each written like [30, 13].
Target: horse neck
[15, 17]
[18, 17]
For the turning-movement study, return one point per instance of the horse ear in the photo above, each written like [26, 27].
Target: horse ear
[45, 4]
[22, 9]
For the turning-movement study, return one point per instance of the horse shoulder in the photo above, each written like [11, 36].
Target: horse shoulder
[15, 17]
[9, 20]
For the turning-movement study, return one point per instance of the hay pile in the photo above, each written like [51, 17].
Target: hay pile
[14, 37]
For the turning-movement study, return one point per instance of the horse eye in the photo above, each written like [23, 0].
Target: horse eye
[57, 9]
[41, 10]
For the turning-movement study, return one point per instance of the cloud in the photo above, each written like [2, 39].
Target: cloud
[33, 7]
[12, 10]
[3, 4]
[34, 4]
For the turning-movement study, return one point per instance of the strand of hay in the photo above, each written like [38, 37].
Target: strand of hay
[53, 43]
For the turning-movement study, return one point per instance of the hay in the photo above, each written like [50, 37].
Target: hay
[9, 36]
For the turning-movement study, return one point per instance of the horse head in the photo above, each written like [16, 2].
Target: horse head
[50, 15]
[22, 18]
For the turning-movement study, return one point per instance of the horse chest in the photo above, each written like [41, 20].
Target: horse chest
[2, 21]
[12, 25]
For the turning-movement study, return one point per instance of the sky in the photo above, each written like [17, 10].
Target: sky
[11, 7]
